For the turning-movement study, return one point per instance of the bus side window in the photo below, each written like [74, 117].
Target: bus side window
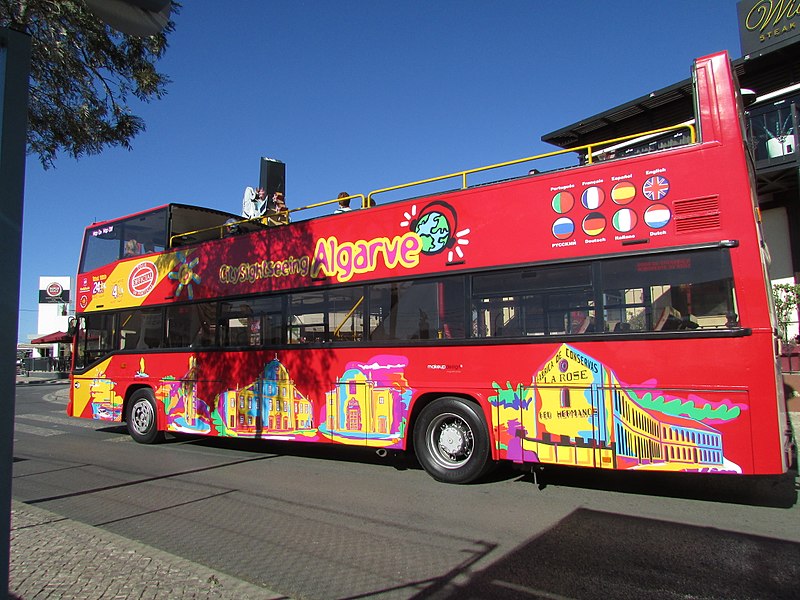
[190, 326]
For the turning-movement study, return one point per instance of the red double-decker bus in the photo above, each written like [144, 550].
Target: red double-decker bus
[614, 315]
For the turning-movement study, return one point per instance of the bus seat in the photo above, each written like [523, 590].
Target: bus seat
[669, 320]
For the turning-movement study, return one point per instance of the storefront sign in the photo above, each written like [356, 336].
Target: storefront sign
[766, 25]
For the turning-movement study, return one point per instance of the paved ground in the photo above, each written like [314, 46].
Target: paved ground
[55, 557]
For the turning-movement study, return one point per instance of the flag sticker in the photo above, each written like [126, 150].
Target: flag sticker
[563, 228]
[594, 223]
[657, 216]
[623, 193]
[592, 197]
[563, 202]
[624, 220]
[656, 188]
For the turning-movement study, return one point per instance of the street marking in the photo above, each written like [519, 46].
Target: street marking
[55, 398]
[33, 430]
[59, 420]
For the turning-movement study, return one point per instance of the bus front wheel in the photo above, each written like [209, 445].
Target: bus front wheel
[141, 418]
[451, 441]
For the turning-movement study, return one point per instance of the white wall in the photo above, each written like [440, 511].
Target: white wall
[51, 318]
[775, 225]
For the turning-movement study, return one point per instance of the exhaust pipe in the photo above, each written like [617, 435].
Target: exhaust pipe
[381, 452]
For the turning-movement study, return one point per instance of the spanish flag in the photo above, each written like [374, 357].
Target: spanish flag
[623, 193]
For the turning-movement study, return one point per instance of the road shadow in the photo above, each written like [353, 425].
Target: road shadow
[777, 491]
[330, 452]
[592, 554]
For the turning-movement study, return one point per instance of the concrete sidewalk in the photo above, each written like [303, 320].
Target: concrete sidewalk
[36, 377]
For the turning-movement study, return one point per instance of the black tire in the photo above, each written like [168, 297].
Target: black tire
[141, 418]
[451, 441]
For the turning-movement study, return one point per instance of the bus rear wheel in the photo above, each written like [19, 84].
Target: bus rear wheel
[451, 441]
[141, 418]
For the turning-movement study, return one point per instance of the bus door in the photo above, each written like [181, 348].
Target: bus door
[94, 392]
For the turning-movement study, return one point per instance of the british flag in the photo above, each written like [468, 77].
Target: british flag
[655, 188]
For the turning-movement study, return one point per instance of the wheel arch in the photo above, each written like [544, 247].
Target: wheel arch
[161, 417]
[426, 398]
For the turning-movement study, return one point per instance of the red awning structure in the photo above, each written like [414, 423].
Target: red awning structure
[52, 338]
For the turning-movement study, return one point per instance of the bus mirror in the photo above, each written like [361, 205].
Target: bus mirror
[72, 327]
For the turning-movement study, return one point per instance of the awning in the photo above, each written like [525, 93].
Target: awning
[52, 338]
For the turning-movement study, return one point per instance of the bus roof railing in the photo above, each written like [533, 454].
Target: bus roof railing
[283, 217]
[589, 150]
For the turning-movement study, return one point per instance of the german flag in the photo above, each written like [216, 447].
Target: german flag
[594, 223]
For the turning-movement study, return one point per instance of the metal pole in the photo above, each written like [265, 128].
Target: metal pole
[15, 62]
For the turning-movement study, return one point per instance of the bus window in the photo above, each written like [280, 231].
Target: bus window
[417, 310]
[346, 314]
[308, 318]
[668, 292]
[129, 237]
[95, 339]
[531, 302]
[250, 322]
[140, 329]
[101, 246]
[191, 326]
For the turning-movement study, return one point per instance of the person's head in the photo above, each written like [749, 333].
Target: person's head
[344, 200]
[280, 202]
[231, 227]
[131, 248]
[261, 193]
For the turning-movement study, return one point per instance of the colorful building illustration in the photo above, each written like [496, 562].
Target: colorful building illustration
[369, 402]
[358, 405]
[576, 412]
[271, 404]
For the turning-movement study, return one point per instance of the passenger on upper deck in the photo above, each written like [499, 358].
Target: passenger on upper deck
[278, 202]
[344, 205]
[133, 248]
[231, 228]
[254, 203]
[277, 212]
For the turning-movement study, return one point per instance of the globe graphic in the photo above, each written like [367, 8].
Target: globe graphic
[434, 230]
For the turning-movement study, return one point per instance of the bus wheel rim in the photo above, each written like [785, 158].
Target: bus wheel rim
[142, 417]
[450, 440]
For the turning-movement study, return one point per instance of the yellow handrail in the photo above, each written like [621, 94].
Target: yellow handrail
[347, 317]
[367, 201]
[587, 148]
[335, 200]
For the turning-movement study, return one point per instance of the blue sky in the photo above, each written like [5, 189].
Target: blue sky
[359, 95]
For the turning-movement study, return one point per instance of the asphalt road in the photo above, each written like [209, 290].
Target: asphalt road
[317, 522]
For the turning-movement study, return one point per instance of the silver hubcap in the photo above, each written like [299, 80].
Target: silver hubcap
[142, 417]
[450, 440]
